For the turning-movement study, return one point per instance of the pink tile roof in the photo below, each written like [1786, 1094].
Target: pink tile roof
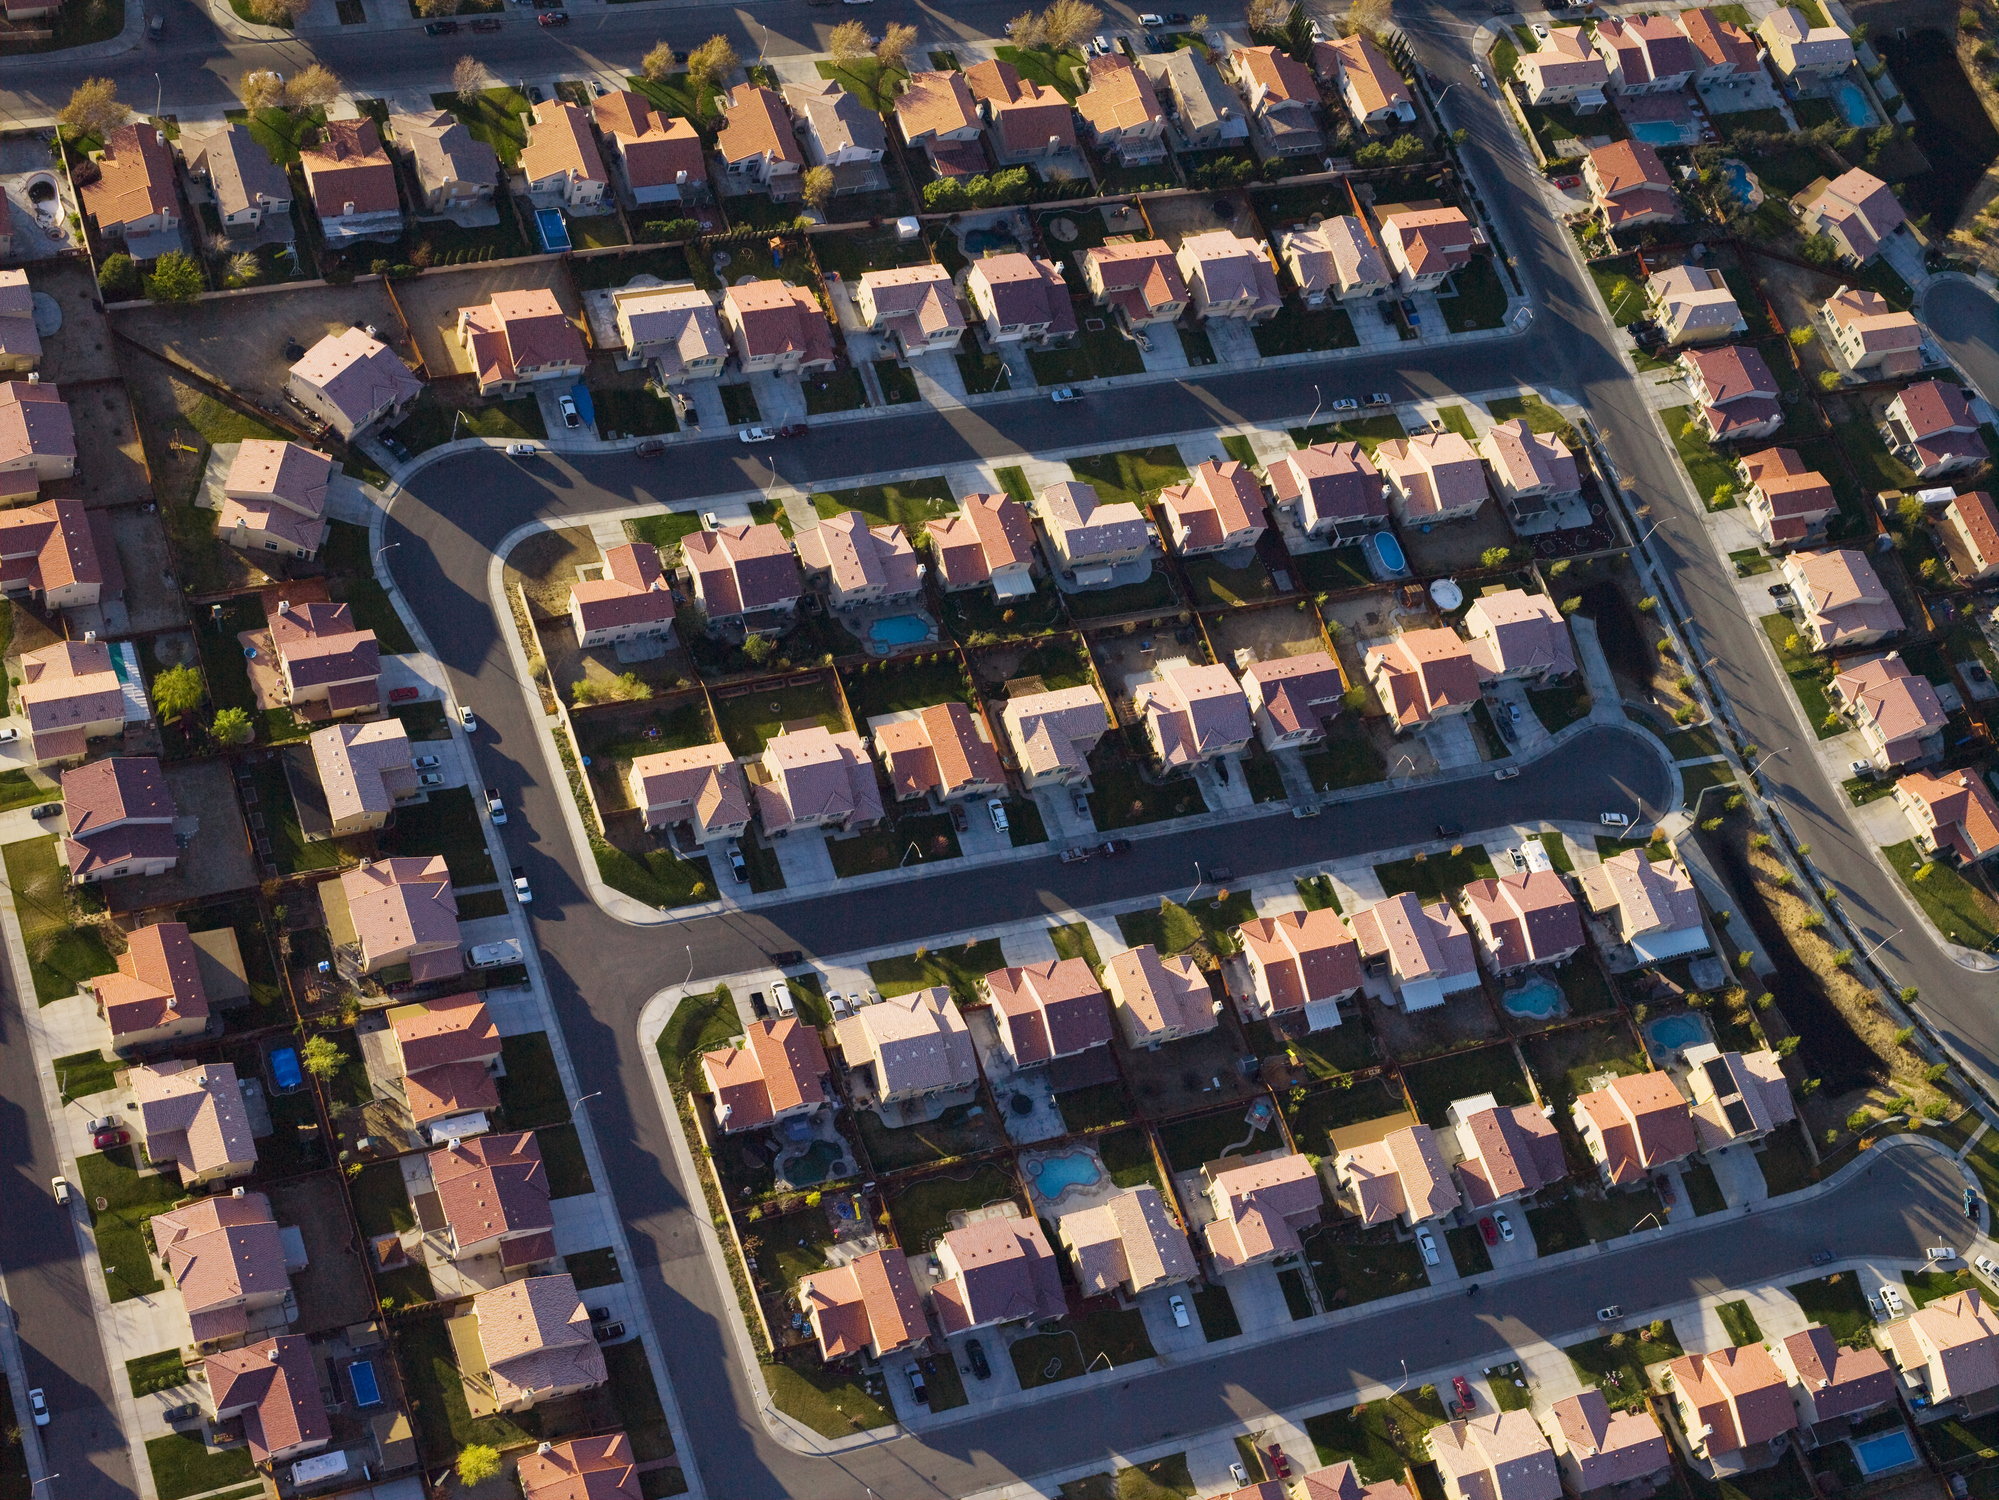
[777, 318]
[1137, 278]
[1403, 1173]
[1198, 712]
[192, 1114]
[1740, 1393]
[1879, 327]
[1979, 517]
[1511, 1149]
[1304, 957]
[1528, 460]
[940, 749]
[742, 569]
[870, 1303]
[1335, 481]
[1497, 1456]
[988, 532]
[634, 590]
[1421, 942]
[1932, 407]
[813, 774]
[1422, 671]
[1610, 1448]
[34, 422]
[492, 1186]
[49, 546]
[1841, 1380]
[221, 1252]
[1899, 703]
[1219, 500]
[157, 982]
[1056, 729]
[1433, 241]
[1643, 1123]
[1260, 1207]
[856, 556]
[1964, 815]
[1530, 915]
[457, 1028]
[1844, 595]
[1023, 291]
[592, 1468]
[318, 644]
[279, 1382]
[1161, 993]
[1958, 1333]
[116, 810]
[1861, 206]
[401, 903]
[1006, 1272]
[1514, 629]
[917, 1042]
[1731, 374]
[1126, 1240]
[1299, 691]
[521, 332]
[780, 1067]
[67, 688]
[536, 1337]
[1050, 1009]
[1436, 472]
[703, 781]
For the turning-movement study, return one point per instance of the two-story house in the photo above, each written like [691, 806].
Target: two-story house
[756, 142]
[1293, 698]
[560, 162]
[1332, 491]
[1896, 710]
[274, 499]
[916, 306]
[1735, 394]
[1229, 276]
[455, 173]
[352, 183]
[777, 328]
[701, 787]
[1218, 509]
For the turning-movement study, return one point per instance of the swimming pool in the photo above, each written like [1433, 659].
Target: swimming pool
[284, 1069]
[982, 241]
[1538, 997]
[1389, 551]
[366, 1391]
[1675, 1033]
[818, 1160]
[554, 233]
[1658, 132]
[899, 630]
[1891, 1450]
[1055, 1175]
[1744, 185]
[1851, 102]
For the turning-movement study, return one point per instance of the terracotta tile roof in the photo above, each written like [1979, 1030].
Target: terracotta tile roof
[755, 123]
[1962, 810]
[349, 167]
[1720, 43]
[399, 904]
[779, 1068]
[1128, 1239]
[1336, 482]
[1160, 993]
[1513, 629]
[1643, 1123]
[1610, 1448]
[935, 103]
[49, 546]
[634, 590]
[1057, 728]
[1001, 1271]
[658, 149]
[1299, 692]
[1899, 703]
[279, 1384]
[536, 1337]
[459, 1088]
[521, 331]
[1422, 671]
[1842, 594]
[430, 1033]
[1025, 113]
[703, 780]
[1403, 1173]
[1433, 241]
[592, 1468]
[220, 1252]
[1841, 1381]
[776, 318]
[814, 774]
[916, 1042]
[1120, 96]
[1530, 916]
[137, 181]
[1979, 517]
[857, 556]
[1302, 957]
[1878, 325]
[157, 982]
[65, 689]
[192, 1114]
[559, 144]
[1137, 278]
[868, 1305]
[1023, 291]
[1735, 373]
[1364, 69]
[990, 532]
[1930, 407]
[1421, 942]
[1508, 1150]
[1626, 165]
[1196, 712]
[939, 748]
[1260, 1207]
[1499, 1456]
[1740, 1393]
[1050, 1009]
[492, 1186]
[1276, 72]
[742, 569]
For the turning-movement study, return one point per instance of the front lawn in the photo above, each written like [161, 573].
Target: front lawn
[1380, 1438]
[1740, 1323]
[1216, 1311]
[1347, 757]
[1052, 70]
[868, 81]
[1134, 476]
[63, 951]
[1837, 1302]
[1616, 1363]
[832, 1403]
[1560, 706]
[531, 1093]
[1299, 329]
[156, 1372]
[1113, 1335]
[130, 1198]
[1430, 876]
[1960, 911]
[834, 390]
[1621, 293]
[1810, 674]
[1349, 1274]
[1172, 928]
[82, 1074]
[492, 116]
[906, 840]
[1710, 471]
[1481, 296]
[183, 1466]
[958, 968]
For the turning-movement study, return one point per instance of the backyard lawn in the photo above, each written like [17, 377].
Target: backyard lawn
[922, 1210]
[436, 1392]
[956, 1132]
[63, 951]
[1961, 911]
[1434, 1084]
[749, 720]
[381, 1202]
[904, 683]
[1324, 1110]
[1429, 876]
[1133, 476]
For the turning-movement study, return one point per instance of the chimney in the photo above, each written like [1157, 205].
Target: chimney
[543, 1447]
[348, 209]
[236, 1192]
[272, 1353]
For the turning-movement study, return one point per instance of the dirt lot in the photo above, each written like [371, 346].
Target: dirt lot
[1269, 633]
[1444, 1028]
[431, 303]
[569, 663]
[1173, 219]
[81, 349]
[240, 341]
[1796, 292]
[112, 467]
[152, 595]
[545, 565]
[332, 1292]
[217, 861]
[1457, 545]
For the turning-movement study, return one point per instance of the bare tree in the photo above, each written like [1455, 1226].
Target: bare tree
[1067, 21]
[893, 49]
[279, 12]
[1026, 30]
[315, 88]
[658, 63]
[1368, 17]
[849, 41]
[468, 75]
[262, 89]
[816, 186]
[1266, 16]
[437, 7]
[709, 63]
[94, 108]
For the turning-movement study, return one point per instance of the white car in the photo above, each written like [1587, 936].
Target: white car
[998, 810]
[521, 886]
[1893, 1299]
[1506, 773]
[1614, 820]
[8, 736]
[757, 435]
[1505, 1226]
[1100, 45]
[571, 417]
[1063, 393]
[1941, 1252]
[427, 762]
[494, 806]
[38, 1404]
[1346, 403]
[1427, 1243]
[430, 778]
[782, 995]
[1609, 1314]
[1986, 1264]
[1541, 31]
[709, 522]
[1151, 18]
[465, 717]
[1179, 1308]
[60, 1187]
[522, 450]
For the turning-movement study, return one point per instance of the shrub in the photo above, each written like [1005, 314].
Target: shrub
[176, 278]
[118, 278]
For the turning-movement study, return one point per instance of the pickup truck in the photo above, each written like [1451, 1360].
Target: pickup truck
[495, 806]
[1075, 856]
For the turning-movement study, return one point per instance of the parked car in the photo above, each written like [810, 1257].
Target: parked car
[1505, 1225]
[441, 28]
[495, 806]
[1614, 820]
[571, 417]
[38, 1404]
[1823, 1258]
[1466, 1402]
[1277, 1463]
[1513, 712]
[959, 820]
[1151, 18]
[1100, 45]
[1178, 18]
[104, 1140]
[1379, 398]
[1427, 1243]
[1081, 802]
[785, 958]
[1940, 1252]
[427, 762]
[1664, 1184]
[1063, 393]
[759, 1007]
[8, 736]
[1239, 1474]
[1306, 809]
[1075, 856]
[1892, 1299]
[608, 1332]
[781, 997]
[1111, 848]
[430, 779]
[1506, 773]
[976, 1353]
[1861, 767]
[521, 885]
[189, 1412]
[1488, 1231]
[1609, 1314]
[1986, 1264]
[756, 435]
[45, 809]
[1346, 403]
[1219, 874]
[792, 430]
[465, 717]
[916, 1387]
[1971, 1205]
[60, 1187]
[554, 18]
[600, 1315]
[997, 810]
[522, 450]
[486, 23]
[1178, 1305]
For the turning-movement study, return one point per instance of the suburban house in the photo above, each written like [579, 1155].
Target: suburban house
[1630, 185]
[274, 499]
[1515, 634]
[1426, 244]
[756, 142]
[1054, 732]
[119, 816]
[1931, 429]
[402, 911]
[1647, 54]
[701, 786]
[1301, 964]
[1788, 502]
[352, 183]
[520, 339]
[1970, 532]
[916, 1045]
[998, 1270]
[1366, 81]
[1403, 1176]
[777, 327]
[837, 131]
[249, 187]
[1737, 1097]
[455, 172]
[1897, 710]
[1333, 259]
[868, 1306]
[136, 197]
[1734, 392]
[1332, 491]
[1501, 1455]
[325, 666]
[1599, 1449]
[915, 305]
[1090, 539]
[1871, 336]
[1633, 1126]
[447, 1051]
[1727, 51]
[226, 1257]
[1830, 1381]
[1207, 112]
[1950, 1348]
[592, 1468]
[1841, 600]
[813, 778]
[155, 994]
[1126, 1244]
[535, 1335]
[660, 155]
[1229, 276]
[1856, 210]
[1693, 305]
[1804, 54]
[779, 1072]
[1504, 1151]
[1283, 99]
[37, 437]
[72, 695]
[20, 343]
[1532, 471]
[632, 601]
[944, 749]
[938, 115]
[560, 161]
[990, 541]
[272, 1388]
[1292, 698]
[1019, 297]
[859, 564]
[1432, 477]
[1732, 1404]
[1139, 281]
[1030, 121]
[1422, 953]
[1522, 919]
[1193, 714]
[493, 1192]
[366, 771]
[1565, 70]
[1158, 999]
[674, 328]
[1259, 1208]
[1047, 1010]
[1121, 113]
[1422, 675]
[1651, 908]
[1952, 814]
[1219, 508]
[192, 1119]
[740, 571]
[1342, 1480]
[352, 381]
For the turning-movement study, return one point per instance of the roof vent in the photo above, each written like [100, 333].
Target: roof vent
[543, 1447]
[272, 1353]
[236, 1192]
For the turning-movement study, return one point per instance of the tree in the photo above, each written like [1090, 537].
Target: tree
[468, 75]
[280, 12]
[709, 63]
[177, 692]
[1495, 557]
[231, 727]
[477, 1463]
[1368, 16]
[1406, 147]
[261, 89]
[849, 41]
[321, 1057]
[658, 63]
[1828, 380]
[1026, 29]
[94, 108]
[945, 195]
[1068, 21]
[118, 277]
[1803, 336]
[315, 88]
[176, 278]
[816, 187]
[1819, 249]
[241, 269]
[1267, 16]
[1787, 1046]
[892, 51]
[758, 649]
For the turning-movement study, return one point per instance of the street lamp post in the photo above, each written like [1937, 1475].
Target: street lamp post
[690, 967]
[1006, 373]
[1882, 944]
[579, 1103]
[1760, 759]
[1317, 402]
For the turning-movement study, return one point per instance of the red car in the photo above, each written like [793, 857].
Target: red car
[1278, 1463]
[1569, 181]
[104, 1140]
[1491, 1232]
[1465, 1401]
[796, 430]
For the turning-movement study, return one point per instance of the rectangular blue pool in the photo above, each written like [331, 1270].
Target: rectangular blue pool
[366, 1391]
[284, 1068]
[553, 232]
[1658, 132]
[1891, 1450]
